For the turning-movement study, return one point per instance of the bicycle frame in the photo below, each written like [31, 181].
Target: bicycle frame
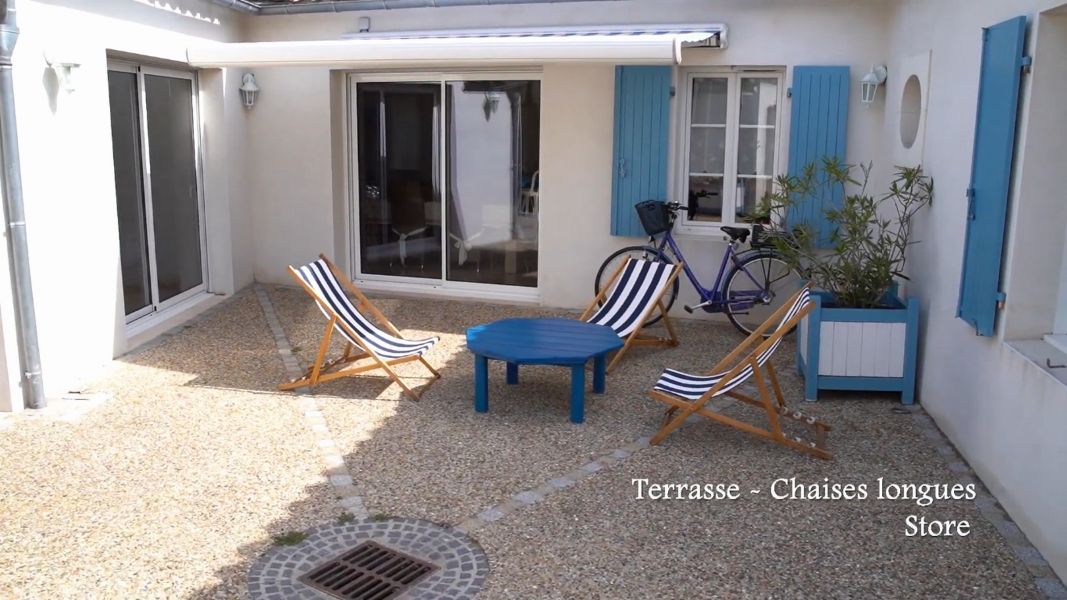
[713, 299]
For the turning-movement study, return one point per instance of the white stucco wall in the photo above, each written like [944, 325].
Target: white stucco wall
[1002, 411]
[576, 121]
[68, 176]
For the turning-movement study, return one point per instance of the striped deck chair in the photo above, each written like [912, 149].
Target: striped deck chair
[686, 394]
[629, 298]
[365, 339]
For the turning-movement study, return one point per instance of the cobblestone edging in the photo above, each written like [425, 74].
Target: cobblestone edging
[349, 497]
[462, 564]
[533, 496]
[1046, 580]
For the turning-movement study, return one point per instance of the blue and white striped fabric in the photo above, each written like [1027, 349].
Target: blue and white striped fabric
[635, 293]
[328, 290]
[692, 387]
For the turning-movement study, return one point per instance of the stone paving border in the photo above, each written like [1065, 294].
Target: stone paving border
[463, 565]
[535, 495]
[1045, 578]
[349, 497]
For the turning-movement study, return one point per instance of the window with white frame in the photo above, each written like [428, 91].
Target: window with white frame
[729, 153]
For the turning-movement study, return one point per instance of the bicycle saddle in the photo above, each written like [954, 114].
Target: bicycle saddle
[736, 233]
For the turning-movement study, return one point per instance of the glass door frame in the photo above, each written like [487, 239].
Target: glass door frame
[140, 70]
[440, 78]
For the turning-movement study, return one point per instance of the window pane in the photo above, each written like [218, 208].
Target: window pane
[129, 196]
[759, 101]
[705, 198]
[399, 202]
[750, 191]
[175, 200]
[709, 100]
[492, 172]
[707, 150]
[755, 151]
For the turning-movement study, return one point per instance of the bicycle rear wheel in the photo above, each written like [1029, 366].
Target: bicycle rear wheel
[644, 252]
[757, 286]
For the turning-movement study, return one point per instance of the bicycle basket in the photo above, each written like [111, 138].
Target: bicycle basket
[655, 217]
[762, 236]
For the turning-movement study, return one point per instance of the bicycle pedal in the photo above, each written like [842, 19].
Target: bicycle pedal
[688, 309]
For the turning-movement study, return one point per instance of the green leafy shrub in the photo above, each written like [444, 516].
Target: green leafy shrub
[870, 233]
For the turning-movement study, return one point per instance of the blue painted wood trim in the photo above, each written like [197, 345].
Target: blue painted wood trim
[578, 394]
[616, 155]
[865, 315]
[911, 352]
[818, 128]
[481, 383]
[599, 373]
[1003, 49]
[813, 382]
[640, 145]
[811, 376]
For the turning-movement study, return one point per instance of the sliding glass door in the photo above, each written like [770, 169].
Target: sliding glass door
[447, 180]
[157, 186]
[399, 186]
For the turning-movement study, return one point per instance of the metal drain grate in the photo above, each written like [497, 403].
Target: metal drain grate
[368, 572]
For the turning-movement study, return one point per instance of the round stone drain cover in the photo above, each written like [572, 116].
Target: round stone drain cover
[405, 559]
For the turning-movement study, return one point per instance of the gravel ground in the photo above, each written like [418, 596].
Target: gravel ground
[172, 488]
[439, 460]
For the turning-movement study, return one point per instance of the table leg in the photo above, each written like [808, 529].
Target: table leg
[481, 383]
[598, 374]
[513, 373]
[578, 393]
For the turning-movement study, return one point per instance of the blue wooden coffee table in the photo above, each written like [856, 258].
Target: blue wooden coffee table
[560, 342]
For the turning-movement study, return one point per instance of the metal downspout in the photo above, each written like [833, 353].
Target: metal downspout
[14, 211]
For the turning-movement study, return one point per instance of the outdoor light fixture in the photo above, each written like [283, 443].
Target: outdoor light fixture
[249, 90]
[64, 69]
[870, 82]
[489, 106]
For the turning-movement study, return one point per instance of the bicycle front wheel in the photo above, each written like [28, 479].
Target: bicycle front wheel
[614, 261]
[757, 286]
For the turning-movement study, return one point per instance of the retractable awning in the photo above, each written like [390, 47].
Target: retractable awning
[649, 45]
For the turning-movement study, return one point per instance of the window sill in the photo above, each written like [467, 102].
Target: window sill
[1044, 355]
[710, 232]
[1057, 341]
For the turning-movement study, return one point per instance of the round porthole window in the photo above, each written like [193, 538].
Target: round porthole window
[910, 111]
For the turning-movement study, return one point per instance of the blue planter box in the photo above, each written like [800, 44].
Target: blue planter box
[868, 349]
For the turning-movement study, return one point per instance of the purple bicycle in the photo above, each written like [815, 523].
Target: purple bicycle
[756, 284]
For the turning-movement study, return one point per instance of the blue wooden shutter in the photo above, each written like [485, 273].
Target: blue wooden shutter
[817, 129]
[642, 122]
[1003, 47]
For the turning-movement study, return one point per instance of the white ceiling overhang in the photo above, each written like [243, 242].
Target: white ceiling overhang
[645, 45]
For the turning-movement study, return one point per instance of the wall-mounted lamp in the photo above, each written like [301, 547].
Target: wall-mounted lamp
[249, 90]
[870, 82]
[64, 68]
[490, 104]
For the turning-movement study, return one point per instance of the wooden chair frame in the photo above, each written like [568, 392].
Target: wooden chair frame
[323, 370]
[635, 338]
[770, 399]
